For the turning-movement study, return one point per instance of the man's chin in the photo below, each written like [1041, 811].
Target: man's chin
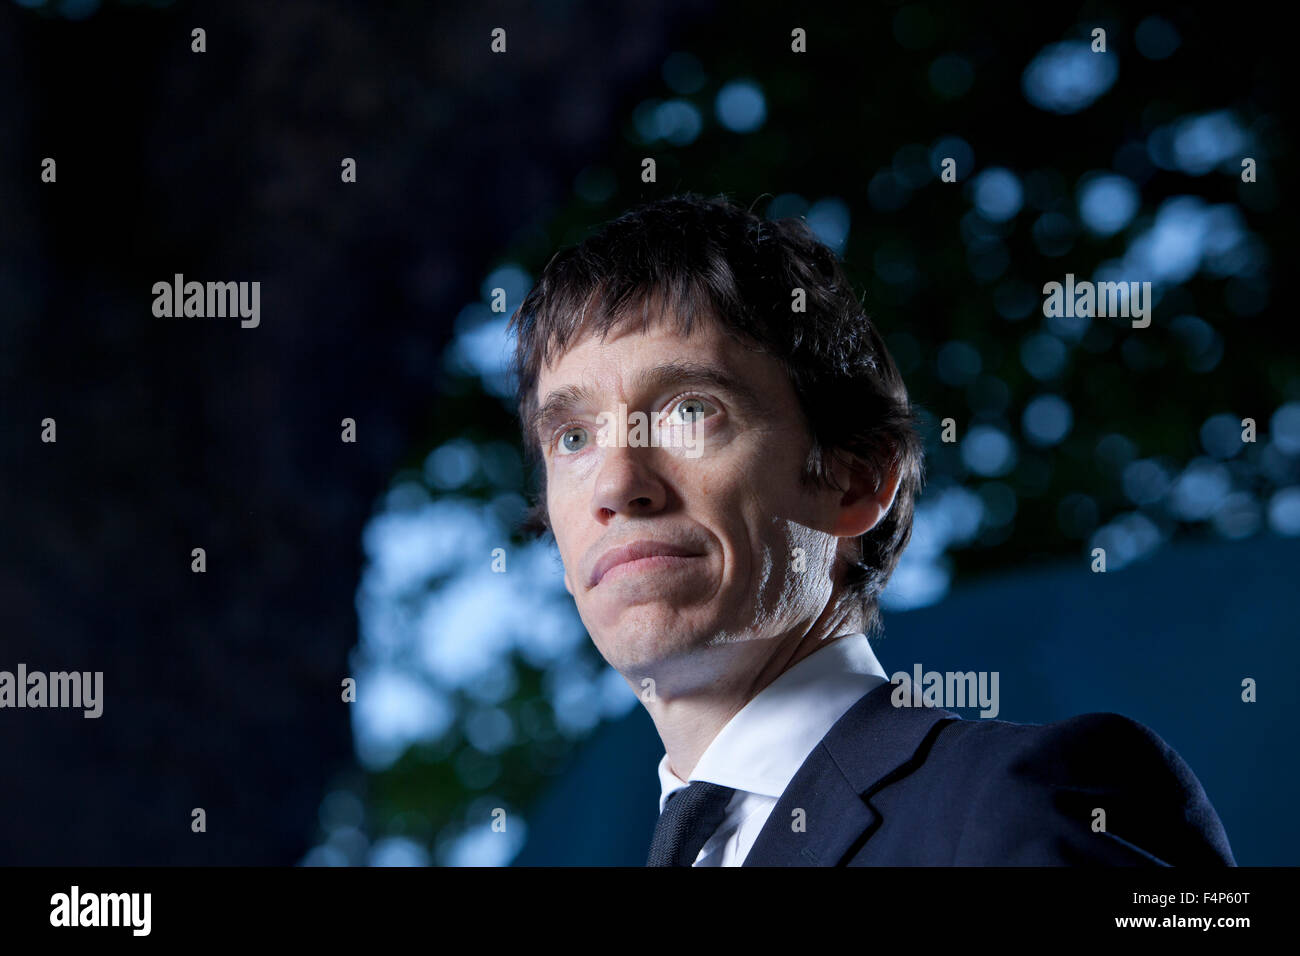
[652, 619]
[642, 636]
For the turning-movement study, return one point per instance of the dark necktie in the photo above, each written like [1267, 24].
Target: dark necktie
[689, 818]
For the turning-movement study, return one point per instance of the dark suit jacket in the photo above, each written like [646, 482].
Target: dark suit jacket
[919, 786]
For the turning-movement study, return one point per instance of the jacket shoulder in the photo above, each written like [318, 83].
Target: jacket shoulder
[1096, 788]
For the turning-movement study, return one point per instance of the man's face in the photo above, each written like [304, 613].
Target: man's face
[753, 547]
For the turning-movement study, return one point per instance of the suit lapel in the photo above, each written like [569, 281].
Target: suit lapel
[872, 741]
[833, 816]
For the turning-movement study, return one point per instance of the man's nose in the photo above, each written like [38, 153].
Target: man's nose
[628, 484]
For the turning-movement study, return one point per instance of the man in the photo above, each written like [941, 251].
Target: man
[729, 462]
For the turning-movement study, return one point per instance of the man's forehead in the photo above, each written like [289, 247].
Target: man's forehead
[602, 359]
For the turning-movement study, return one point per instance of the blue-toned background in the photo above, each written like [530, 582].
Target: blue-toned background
[479, 691]
[1064, 641]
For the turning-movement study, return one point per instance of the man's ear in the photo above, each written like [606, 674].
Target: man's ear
[867, 499]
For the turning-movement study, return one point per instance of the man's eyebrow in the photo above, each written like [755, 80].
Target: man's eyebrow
[558, 406]
[699, 374]
[561, 402]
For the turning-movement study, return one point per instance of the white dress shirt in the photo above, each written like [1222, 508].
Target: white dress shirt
[761, 748]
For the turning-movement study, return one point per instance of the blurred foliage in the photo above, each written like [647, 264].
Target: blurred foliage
[850, 135]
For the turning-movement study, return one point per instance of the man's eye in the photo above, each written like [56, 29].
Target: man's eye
[572, 440]
[689, 410]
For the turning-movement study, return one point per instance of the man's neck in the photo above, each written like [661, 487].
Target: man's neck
[688, 723]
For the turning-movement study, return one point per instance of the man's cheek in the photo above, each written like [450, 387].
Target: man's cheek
[563, 529]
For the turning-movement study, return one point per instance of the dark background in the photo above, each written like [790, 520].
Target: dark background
[222, 689]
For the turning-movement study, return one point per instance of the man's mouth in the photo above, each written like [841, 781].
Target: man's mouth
[640, 555]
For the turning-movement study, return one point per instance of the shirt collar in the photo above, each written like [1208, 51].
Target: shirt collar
[763, 746]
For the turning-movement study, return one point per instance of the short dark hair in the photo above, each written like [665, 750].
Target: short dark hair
[707, 257]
